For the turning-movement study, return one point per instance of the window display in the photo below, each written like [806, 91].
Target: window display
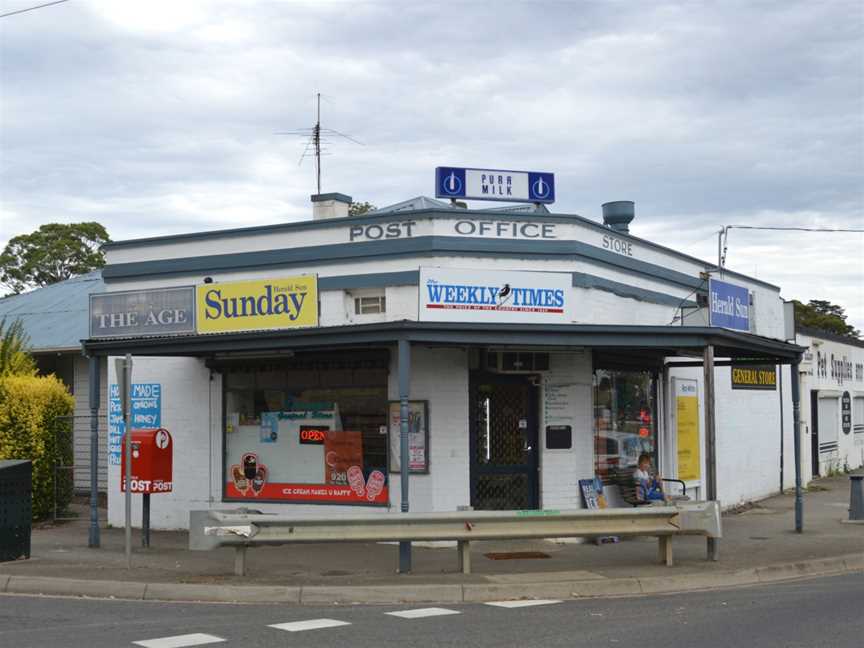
[307, 430]
[624, 419]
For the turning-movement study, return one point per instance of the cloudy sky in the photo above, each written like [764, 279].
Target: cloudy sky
[157, 117]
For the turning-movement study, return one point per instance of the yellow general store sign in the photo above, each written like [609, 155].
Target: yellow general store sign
[287, 302]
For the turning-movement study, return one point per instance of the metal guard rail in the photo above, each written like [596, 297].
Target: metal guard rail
[242, 528]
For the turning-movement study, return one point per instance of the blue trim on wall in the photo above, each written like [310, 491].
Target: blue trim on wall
[421, 246]
[582, 280]
[452, 213]
[373, 280]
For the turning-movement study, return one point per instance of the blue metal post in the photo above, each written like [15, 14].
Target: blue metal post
[404, 460]
[93, 540]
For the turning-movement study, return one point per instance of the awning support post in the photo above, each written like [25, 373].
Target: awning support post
[713, 547]
[404, 361]
[93, 540]
[796, 437]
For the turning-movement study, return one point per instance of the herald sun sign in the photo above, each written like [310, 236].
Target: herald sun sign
[728, 305]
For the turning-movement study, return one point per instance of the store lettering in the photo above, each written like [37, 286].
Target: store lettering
[505, 229]
[840, 369]
[388, 231]
[617, 245]
[151, 318]
[490, 295]
[730, 306]
[754, 376]
[272, 302]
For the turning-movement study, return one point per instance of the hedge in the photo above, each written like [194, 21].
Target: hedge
[36, 424]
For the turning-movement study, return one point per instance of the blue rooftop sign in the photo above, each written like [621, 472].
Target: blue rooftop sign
[728, 305]
[495, 184]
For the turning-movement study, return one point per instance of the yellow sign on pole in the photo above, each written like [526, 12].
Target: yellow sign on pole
[287, 302]
[687, 418]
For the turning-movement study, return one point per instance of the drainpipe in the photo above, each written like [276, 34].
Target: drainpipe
[796, 425]
[93, 540]
[404, 460]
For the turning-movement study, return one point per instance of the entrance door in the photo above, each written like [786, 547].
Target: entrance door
[503, 442]
[814, 432]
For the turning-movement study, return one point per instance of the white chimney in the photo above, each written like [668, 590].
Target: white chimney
[330, 205]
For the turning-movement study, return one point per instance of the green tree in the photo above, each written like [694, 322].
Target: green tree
[52, 253]
[15, 359]
[360, 208]
[824, 316]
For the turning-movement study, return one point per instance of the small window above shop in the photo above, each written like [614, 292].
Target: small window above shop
[372, 305]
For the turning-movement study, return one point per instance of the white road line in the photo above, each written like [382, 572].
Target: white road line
[521, 604]
[312, 624]
[423, 612]
[180, 641]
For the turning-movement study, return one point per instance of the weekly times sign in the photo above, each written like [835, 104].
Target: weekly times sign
[469, 295]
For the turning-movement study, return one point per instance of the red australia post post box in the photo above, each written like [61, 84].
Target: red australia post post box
[152, 462]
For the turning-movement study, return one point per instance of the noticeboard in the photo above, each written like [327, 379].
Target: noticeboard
[418, 436]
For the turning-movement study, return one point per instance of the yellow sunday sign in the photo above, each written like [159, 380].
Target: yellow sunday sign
[687, 418]
[287, 302]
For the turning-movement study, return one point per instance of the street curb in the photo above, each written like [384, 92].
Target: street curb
[75, 587]
[328, 594]
[420, 593]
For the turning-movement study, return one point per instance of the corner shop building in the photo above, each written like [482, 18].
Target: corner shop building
[534, 349]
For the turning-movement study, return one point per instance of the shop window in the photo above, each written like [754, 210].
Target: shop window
[858, 415]
[310, 429]
[624, 419]
[370, 305]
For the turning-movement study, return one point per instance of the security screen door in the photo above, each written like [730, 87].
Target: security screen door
[503, 442]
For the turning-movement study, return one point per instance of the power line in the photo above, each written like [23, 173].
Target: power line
[723, 236]
[47, 4]
[794, 229]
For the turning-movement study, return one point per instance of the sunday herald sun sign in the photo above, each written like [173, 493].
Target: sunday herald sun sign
[468, 295]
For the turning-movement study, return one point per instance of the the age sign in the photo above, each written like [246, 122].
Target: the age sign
[312, 437]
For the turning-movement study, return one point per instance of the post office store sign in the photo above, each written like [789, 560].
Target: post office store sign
[469, 295]
[286, 302]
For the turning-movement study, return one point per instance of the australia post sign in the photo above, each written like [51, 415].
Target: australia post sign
[728, 305]
[495, 184]
[468, 295]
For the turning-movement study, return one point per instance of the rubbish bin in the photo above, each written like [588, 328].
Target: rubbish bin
[16, 508]
[856, 497]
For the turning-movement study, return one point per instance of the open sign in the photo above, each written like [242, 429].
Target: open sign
[312, 436]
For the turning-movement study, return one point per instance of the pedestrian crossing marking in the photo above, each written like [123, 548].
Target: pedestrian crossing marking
[522, 603]
[180, 641]
[422, 613]
[311, 624]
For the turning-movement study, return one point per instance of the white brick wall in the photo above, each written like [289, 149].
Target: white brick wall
[561, 470]
[185, 413]
[747, 429]
[440, 376]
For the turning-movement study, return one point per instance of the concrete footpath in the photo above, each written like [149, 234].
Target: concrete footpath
[759, 546]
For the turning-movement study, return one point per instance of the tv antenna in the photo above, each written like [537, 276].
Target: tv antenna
[317, 139]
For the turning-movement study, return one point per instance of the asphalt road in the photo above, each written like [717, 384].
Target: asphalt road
[819, 612]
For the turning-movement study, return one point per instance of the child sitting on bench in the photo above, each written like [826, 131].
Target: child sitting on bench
[649, 488]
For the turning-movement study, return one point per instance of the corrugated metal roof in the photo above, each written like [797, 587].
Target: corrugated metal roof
[413, 204]
[56, 316]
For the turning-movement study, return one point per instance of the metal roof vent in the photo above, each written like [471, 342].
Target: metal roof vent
[618, 215]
